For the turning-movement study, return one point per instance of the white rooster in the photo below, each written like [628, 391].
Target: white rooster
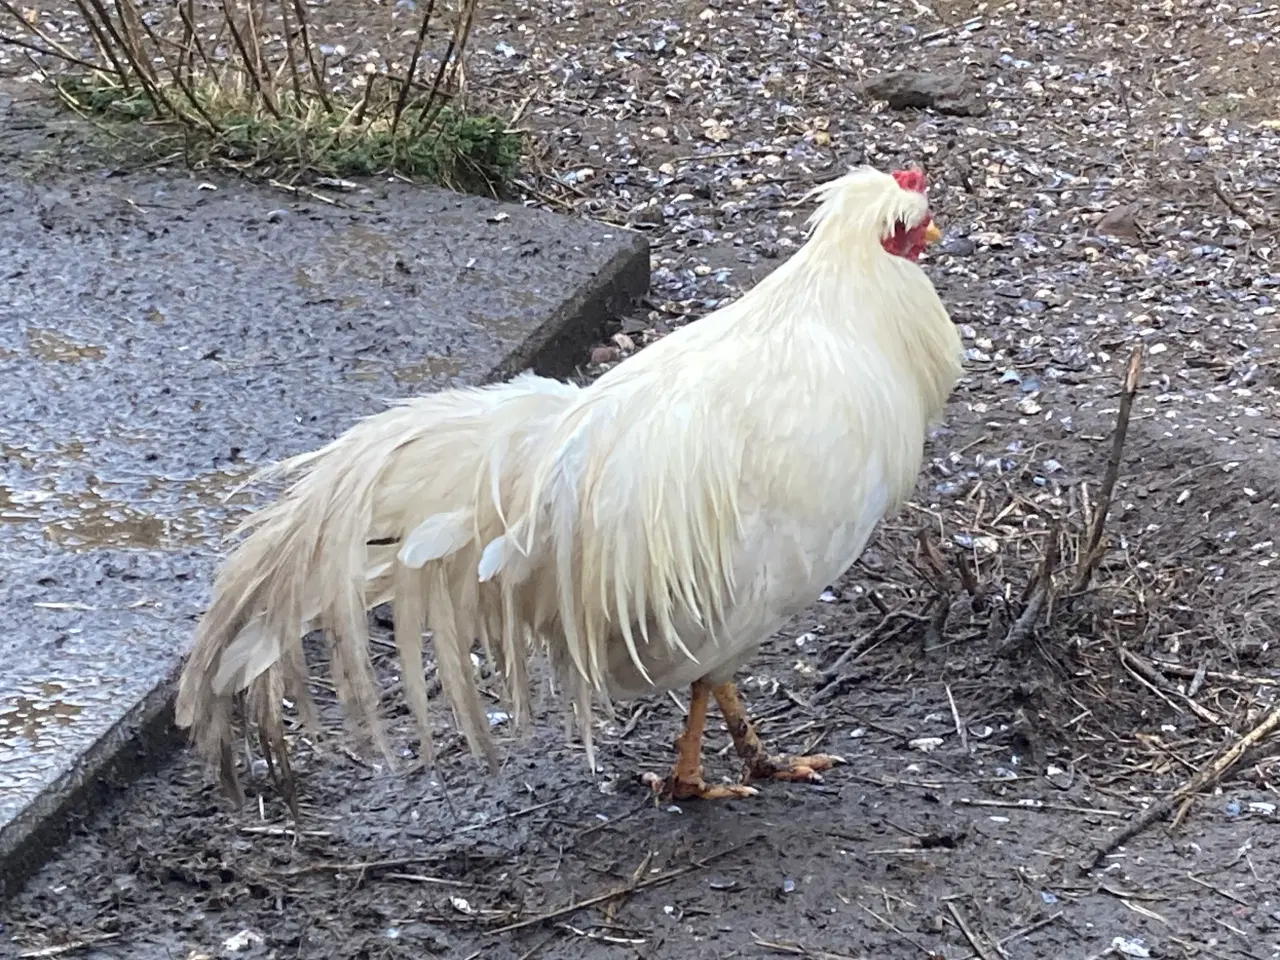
[648, 532]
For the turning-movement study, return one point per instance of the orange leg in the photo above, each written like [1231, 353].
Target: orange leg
[686, 780]
[759, 764]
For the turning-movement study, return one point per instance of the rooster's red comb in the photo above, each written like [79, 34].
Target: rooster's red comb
[910, 180]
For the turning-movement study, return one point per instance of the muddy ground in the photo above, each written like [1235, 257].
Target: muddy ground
[977, 779]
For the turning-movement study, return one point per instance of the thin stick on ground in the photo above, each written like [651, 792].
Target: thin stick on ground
[980, 948]
[1207, 777]
[1034, 804]
[1038, 925]
[1220, 191]
[1153, 676]
[1178, 670]
[1092, 554]
[620, 891]
[366, 866]
[71, 946]
[955, 715]
[799, 949]
[1026, 623]
[862, 645]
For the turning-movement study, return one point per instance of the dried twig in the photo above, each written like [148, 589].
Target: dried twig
[1039, 924]
[979, 947]
[1092, 553]
[1192, 672]
[955, 716]
[317, 75]
[938, 566]
[620, 891]
[884, 922]
[361, 867]
[434, 881]
[1149, 673]
[53, 47]
[1032, 804]
[258, 63]
[175, 71]
[410, 71]
[195, 47]
[295, 81]
[104, 36]
[1026, 623]
[129, 45]
[863, 644]
[968, 576]
[132, 43]
[238, 36]
[433, 102]
[799, 949]
[70, 946]
[65, 57]
[510, 816]
[1207, 777]
[1230, 203]
[941, 581]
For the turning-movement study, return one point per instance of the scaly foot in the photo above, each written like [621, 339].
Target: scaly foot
[685, 782]
[686, 787]
[804, 769]
[757, 762]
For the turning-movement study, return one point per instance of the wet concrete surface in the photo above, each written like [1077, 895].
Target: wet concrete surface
[160, 337]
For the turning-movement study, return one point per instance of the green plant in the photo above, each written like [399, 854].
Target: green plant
[235, 107]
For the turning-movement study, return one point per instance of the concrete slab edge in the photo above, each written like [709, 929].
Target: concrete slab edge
[139, 743]
[146, 737]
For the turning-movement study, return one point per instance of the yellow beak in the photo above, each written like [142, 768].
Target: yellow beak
[932, 234]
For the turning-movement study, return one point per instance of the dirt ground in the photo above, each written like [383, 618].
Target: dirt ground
[977, 778]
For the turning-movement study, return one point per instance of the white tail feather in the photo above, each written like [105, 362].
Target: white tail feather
[492, 559]
[404, 481]
[436, 537]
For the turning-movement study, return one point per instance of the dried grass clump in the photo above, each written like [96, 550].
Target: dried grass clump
[221, 100]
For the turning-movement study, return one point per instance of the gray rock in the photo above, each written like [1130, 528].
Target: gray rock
[960, 247]
[949, 93]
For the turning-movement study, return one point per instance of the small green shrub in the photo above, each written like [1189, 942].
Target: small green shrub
[287, 122]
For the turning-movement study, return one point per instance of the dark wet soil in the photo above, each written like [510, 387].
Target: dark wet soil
[930, 842]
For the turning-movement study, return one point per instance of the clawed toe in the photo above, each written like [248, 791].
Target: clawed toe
[676, 787]
[805, 769]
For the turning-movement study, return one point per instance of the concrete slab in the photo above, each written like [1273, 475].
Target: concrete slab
[159, 338]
